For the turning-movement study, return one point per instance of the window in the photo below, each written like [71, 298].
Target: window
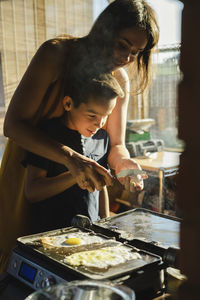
[98, 7]
[162, 97]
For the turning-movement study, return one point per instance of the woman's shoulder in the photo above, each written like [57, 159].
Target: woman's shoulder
[53, 53]
[56, 46]
[60, 41]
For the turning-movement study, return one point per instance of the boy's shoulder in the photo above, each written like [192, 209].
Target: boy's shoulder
[48, 125]
[55, 129]
[48, 122]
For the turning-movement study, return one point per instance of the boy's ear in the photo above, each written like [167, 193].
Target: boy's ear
[67, 103]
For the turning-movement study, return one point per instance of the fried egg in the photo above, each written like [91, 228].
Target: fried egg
[71, 239]
[102, 258]
[74, 241]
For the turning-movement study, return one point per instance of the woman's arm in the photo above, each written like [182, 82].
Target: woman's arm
[19, 120]
[39, 187]
[104, 208]
[116, 125]
[119, 157]
[19, 125]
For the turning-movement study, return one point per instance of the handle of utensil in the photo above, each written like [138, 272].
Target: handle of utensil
[81, 221]
[171, 257]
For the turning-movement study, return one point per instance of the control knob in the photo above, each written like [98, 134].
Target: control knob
[48, 281]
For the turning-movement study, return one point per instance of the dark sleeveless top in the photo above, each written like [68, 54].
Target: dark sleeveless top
[58, 211]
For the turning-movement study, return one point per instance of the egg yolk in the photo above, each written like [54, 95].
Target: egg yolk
[73, 241]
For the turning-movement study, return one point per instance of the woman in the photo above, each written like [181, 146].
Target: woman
[124, 33]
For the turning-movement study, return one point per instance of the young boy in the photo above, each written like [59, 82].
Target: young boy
[49, 186]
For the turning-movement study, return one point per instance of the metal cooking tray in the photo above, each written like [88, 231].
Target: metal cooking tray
[143, 225]
[31, 245]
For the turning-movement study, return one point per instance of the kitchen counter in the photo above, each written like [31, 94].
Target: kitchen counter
[159, 160]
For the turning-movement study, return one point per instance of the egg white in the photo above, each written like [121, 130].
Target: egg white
[60, 241]
[102, 258]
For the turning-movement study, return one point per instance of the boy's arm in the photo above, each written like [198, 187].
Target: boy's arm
[104, 208]
[39, 187]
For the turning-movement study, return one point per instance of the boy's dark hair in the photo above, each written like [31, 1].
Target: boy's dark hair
[82, 86]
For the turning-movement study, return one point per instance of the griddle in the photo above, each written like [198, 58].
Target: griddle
[32, 245]
[139, 230]
[145, 229]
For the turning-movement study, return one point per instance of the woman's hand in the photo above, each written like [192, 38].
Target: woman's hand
[130, 182]
[88, 174]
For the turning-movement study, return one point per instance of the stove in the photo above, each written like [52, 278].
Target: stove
[155, 237]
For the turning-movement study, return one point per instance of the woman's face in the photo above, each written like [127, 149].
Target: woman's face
[127, 45]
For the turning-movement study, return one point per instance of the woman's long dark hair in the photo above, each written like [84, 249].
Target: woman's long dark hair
[121, 14]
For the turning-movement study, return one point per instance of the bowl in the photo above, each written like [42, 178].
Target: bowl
[84, 290]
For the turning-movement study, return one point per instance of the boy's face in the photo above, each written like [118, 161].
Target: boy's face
[88, 117]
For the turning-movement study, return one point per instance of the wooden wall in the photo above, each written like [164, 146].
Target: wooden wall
[25, 24]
